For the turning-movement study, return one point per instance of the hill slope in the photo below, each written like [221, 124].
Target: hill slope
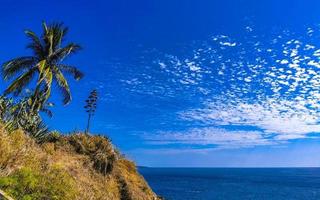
[71, 167]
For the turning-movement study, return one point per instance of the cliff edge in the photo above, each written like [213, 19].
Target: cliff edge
[76, 166]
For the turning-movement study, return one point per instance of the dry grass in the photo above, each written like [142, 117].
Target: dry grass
[17, 150]
[88, 164]
[134, 184]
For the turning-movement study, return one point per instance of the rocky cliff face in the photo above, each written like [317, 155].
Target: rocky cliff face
[77, 166]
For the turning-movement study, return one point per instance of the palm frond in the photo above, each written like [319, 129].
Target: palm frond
[63, 85]
[61, 53]
[59, 31]
[48, 82]
[21, 82]
[45, 28]
[35, 44]
[53, 35]
[47, 111]
[41, 66]
[15, 66]
[77, 74]
[47, 39]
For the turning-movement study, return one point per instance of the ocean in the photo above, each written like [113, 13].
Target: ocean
[234, 183]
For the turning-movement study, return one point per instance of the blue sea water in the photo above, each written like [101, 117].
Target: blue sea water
[234, 183]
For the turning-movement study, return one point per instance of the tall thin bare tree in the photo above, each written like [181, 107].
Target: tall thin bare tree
[91, 106]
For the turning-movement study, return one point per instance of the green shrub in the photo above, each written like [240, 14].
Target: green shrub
[53, 136]
[98, 148]
[18, 115]
[30, 184]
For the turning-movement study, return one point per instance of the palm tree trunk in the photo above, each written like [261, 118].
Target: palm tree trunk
[35, 98]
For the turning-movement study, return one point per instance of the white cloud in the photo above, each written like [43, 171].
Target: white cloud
[211, 136]
[162, 65]
[230, 44]
[284, 62]
[272, 116]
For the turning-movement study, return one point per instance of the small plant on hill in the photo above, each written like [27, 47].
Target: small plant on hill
[98, 148]
[91, 106]
[19, 116]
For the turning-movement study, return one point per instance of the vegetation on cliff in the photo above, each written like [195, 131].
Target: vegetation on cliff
[38, 164]
[76, 166]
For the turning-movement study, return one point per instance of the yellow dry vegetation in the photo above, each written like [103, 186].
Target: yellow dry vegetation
[69, 167]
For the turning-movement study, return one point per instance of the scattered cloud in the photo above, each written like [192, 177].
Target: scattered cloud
[268, 83]
[272, 116]
[211, 136]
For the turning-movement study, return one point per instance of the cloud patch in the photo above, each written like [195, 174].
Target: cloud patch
[269, 83]
[211, 136]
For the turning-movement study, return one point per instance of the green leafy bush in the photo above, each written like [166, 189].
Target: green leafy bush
[18, 115]
[30, 184]
[53, 136]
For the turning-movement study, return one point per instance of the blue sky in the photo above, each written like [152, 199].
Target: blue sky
[189, 83]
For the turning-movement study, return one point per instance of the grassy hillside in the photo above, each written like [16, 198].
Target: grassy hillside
[71, 167]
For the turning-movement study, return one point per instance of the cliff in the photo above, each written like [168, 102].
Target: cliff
[76, 166]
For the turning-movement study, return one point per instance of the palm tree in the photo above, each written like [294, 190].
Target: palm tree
[46, 61]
